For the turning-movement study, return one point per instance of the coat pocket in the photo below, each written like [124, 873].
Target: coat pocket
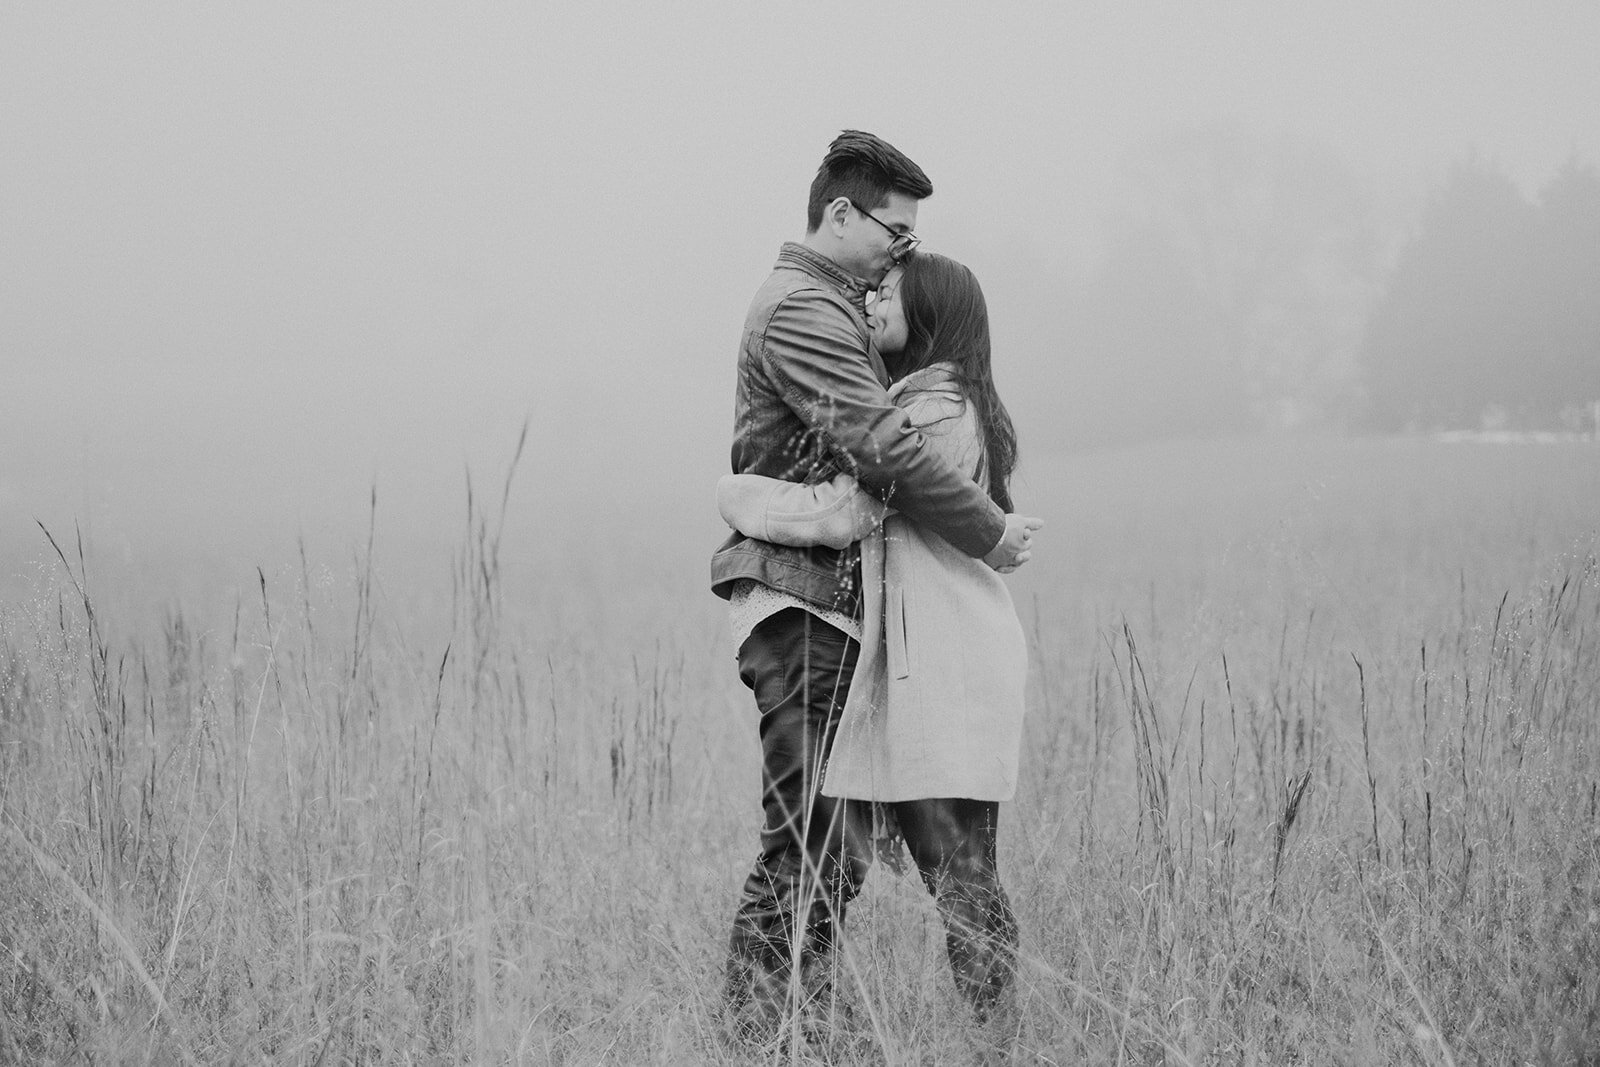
[895, 634]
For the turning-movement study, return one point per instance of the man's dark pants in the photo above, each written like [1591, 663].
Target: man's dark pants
[811, 863]
[815, 851]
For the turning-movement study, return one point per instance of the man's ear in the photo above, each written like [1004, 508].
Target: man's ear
[837, 213]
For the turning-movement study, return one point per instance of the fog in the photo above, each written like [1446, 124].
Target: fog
[258, 262]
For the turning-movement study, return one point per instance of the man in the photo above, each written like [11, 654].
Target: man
[811, 402]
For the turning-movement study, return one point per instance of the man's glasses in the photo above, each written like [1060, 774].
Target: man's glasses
[900, 244]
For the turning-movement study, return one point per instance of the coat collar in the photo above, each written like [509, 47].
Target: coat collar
[935, 377]
[796, 255]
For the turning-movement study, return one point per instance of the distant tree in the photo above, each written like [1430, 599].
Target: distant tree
[1456, 333]
[1567, 278]
[1239, 272]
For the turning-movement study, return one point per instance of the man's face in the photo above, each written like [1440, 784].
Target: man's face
[868, 236]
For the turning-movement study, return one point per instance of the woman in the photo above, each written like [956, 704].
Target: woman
[932, 727]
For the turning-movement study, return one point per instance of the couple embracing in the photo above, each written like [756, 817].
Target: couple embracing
[872, 519]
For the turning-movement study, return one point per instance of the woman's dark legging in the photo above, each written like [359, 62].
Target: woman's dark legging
[952, 841]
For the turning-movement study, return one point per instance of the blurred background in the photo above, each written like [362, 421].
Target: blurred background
[261, 265]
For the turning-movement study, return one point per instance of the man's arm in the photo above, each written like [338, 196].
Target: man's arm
[815, 354]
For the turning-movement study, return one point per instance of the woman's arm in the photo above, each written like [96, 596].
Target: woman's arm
[835, 514]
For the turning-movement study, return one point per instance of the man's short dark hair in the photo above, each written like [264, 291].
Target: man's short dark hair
[865, 168]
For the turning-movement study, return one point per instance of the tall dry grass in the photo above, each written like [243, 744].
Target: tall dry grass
[1297, 821]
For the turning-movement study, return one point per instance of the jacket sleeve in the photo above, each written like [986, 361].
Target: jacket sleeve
[836, 513]
[814, 352]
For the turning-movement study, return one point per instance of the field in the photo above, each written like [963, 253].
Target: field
[1312, 777]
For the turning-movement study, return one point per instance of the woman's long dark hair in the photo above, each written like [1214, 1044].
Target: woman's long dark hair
[947, 321]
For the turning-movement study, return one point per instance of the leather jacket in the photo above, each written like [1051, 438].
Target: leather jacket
[811, 403]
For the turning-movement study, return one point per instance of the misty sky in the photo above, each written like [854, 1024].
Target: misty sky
[256, 257]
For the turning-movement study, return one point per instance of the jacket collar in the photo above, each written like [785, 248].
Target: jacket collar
[934, 378]
[796, 255]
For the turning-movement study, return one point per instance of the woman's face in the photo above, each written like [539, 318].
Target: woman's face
[887, 315]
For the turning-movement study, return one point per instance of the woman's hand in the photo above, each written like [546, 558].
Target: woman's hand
[1016, 544]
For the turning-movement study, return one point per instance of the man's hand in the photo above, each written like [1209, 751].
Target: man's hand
[1016, 544]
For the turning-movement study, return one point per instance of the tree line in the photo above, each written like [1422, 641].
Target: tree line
[1492, 312]
[1253, 283]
